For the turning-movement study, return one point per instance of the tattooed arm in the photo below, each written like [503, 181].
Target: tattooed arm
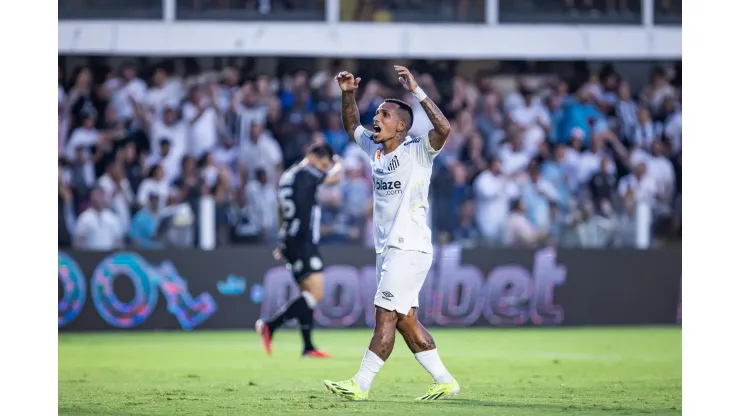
[350, 113]
[437, 135]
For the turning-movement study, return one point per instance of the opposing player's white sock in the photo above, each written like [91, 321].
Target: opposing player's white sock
[370, 366]
[433, 364]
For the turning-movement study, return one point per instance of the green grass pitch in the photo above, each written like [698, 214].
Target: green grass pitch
[582, 371]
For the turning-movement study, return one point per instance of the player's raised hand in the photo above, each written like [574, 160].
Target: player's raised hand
[405, 78]
[347, 82]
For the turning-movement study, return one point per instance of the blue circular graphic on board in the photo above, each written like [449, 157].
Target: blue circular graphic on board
[111, 309]
[75, 293]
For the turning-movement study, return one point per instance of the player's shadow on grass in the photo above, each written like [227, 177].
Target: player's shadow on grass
[560, 407]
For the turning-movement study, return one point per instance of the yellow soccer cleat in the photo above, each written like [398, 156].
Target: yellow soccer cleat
[347, 389]
[439, 391]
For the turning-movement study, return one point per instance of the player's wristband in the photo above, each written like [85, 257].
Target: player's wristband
[419, 94]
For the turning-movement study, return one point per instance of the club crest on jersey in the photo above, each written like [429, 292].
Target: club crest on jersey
[377, 154]
[393, 164]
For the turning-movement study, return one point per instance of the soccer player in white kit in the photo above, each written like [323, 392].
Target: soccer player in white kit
[402, 169]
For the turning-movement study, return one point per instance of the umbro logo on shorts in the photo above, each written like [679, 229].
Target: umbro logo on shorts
[387, 295]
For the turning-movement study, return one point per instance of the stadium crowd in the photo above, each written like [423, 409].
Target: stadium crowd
[584, 164]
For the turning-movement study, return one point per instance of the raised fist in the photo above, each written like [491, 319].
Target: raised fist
[347, 82]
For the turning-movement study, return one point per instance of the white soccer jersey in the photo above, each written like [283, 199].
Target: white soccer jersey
[401, 186]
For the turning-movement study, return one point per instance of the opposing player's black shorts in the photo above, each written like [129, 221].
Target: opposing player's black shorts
[303, 260]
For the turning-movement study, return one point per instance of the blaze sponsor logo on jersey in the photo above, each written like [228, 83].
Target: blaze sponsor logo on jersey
[389, 187]
[377, 154]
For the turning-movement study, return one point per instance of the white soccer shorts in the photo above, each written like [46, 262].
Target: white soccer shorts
[400, 275]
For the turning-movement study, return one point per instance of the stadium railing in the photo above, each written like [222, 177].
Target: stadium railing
[532, 29]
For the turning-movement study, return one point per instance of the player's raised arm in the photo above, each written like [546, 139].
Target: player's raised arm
[350, 114]
[437, 135]
[334, 176]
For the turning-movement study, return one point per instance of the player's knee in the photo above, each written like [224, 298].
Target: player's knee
[405, 323]
[314, 284]
[385, 320]
[318, 293]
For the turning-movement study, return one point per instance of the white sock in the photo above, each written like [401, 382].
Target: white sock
[310, 300]
[370, 366]
[433, 364]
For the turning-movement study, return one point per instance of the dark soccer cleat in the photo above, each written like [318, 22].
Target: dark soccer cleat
[316, 354]
[265, 336]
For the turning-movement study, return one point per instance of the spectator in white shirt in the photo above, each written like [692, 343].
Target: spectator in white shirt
[658, 168]
[571, 161]
[210, 170]
[626, 111]
[171, 163]
[515, 99]
[261, 151]
[536, 193]
[514, 158]
[247, 111]
[493, 192]
[640, 186]
[203, 118]
[169, 127]
[61, 112]
[226, 153]
[162, 93]
[658, 89]
[262, 203]
[672, 131]
[639, 192]
[155, 184]
[595, 231]
[357, 192]
[533, 119]
[645, 131]
[590, 161]
[118, 194]
[228, 89]
[85, 137]
[125, 88]
[97, 227]
[520, 231]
